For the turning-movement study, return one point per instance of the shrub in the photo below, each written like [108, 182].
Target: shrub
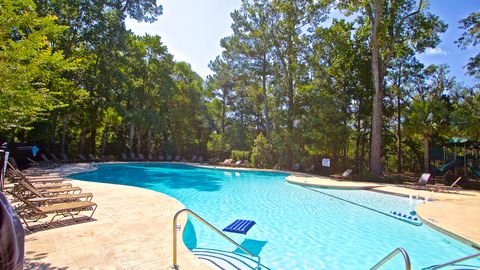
[240, 155]
[262, 152]
[217, 143]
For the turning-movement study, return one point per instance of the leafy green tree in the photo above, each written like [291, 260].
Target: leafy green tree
[220, 86]
[428, 113]
[187, 115]
[325, 101]
[249, 50]
[30, 69]
[262, 152]
[471, 37]
[391, 23]
[404, 74]
[111, 120]
[287, 19]
[466, 116]
[217, 144]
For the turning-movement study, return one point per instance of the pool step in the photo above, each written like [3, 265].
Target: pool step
[225, 260]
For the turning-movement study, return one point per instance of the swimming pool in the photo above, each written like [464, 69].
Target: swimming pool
[297, 227]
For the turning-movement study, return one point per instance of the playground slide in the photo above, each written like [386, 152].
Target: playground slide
[447, 166]
[475, 171]
[450, 165]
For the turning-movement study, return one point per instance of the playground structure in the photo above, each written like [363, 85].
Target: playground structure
[462, 161]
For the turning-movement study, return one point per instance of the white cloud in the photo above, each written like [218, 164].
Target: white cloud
[435, 51]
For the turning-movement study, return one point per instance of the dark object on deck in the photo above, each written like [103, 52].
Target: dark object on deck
[240, 226]
[12, 237]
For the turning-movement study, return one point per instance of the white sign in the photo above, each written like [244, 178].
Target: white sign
[326, 162]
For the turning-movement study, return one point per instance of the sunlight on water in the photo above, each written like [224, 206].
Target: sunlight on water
[296, 227]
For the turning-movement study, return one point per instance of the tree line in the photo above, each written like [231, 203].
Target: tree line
[293, 83]
[76, 80]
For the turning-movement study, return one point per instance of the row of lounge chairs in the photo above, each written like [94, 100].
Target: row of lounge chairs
[38, 197]
[421, 184]
[90, 157]
[230, 162]
[424, 184]
[54, 159]
[161, 157]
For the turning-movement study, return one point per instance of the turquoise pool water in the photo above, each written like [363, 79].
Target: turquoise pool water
[297, 227]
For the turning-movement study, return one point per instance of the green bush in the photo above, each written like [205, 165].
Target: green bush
[240, 155]
[217, 143]
[262, 152]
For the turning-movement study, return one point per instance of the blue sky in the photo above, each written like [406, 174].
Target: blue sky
[192, 30]
[447, 52]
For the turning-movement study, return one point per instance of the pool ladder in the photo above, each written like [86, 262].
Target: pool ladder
[408, 266]
[466, 258]
[175, 265]
[391, 255]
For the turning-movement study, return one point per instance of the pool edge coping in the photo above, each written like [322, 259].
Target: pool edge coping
[449, 233]
[438, 228]
[372, 188]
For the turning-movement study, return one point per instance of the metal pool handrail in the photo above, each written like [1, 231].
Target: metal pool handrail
[392, 254]
[454, 261]
[175, 265]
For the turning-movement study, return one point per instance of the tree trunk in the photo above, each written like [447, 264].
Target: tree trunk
[265, 98]
[362, 154]
[52, 135]
[64, 132]
[345, 150]
[93, 138]
[426, 158]
[399, 133]
[149, 141]
[82, 140]
[132, 133]
[224, 108]
[104, 141]
[357, 145]
[358, 140]
[364, 147]
[165, 140]
[290, 120]
[139, 141]
[377, 71]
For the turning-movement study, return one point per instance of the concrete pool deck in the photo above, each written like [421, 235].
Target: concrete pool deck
[132, 227]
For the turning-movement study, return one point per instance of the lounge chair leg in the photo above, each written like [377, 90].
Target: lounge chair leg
[73, 217]
[48, 224]
[26, 224]
[93, 211]
[37, 218]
